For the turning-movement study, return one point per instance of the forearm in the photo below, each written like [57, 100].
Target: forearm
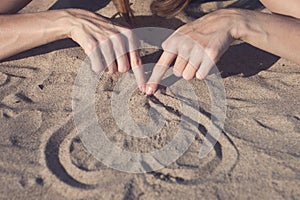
[287, 7]
[274, 33]
[21, 32]
[12, 6]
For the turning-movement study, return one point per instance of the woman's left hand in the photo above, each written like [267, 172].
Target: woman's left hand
[196, 46]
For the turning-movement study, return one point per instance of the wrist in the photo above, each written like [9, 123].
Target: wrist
[64, 23]
[239, 22]
[235, 21]
[247, 26]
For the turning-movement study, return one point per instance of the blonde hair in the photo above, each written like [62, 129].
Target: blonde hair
[124, 9]
[164, 8]
[168, 8]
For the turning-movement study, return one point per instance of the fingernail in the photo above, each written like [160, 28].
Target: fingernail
[110, 72]
[198, 76]
[149, 91]
[142, 88]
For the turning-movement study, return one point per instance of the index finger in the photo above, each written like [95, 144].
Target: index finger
[159, 71]
[138, 70]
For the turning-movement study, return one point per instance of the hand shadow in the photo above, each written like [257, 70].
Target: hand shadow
[246, 60]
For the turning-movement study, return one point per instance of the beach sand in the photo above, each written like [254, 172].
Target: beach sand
[42, 156]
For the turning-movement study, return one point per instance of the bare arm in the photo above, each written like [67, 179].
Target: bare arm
[20, 32]
[12, 6]
[286, 7]
[274, 33]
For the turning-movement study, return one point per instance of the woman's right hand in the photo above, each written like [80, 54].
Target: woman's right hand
[110, 47]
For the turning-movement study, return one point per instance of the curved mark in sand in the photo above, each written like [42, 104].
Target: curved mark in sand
[53, 161]
[68, 178]
[190, 170]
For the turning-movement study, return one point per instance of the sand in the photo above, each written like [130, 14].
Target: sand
[42, 156]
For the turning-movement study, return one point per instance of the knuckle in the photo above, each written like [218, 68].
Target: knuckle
[170, 44]
[116, 38]
[164, 44]
[129, 33]
[197, 50]
[136, 62]
[91, 45]
[212, 54]
[185, 47]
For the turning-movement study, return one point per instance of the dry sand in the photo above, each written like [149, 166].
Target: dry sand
[41, 157]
